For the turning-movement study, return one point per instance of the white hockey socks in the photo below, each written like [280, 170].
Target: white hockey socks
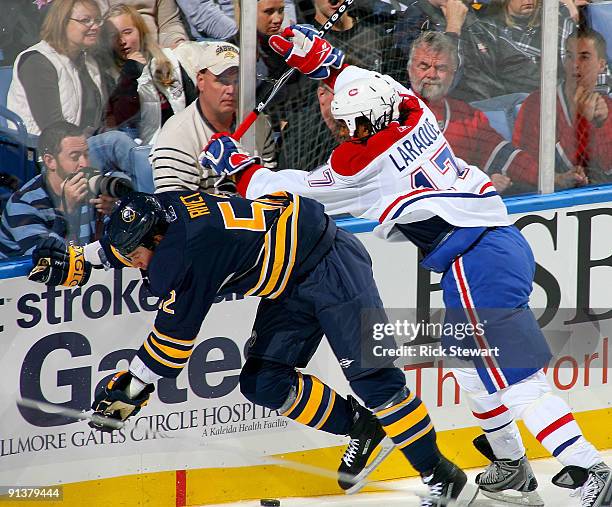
[495, 419]
[551, 421]
[549, 418]
[506, 442]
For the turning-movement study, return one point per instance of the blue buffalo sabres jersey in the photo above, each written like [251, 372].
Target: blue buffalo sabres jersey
[218, 245]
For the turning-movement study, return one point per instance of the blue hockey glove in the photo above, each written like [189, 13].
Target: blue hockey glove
[225, 156]
[304, 50]
[113, 402]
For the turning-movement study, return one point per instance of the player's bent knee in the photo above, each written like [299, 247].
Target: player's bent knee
[266, 383]
[520, 396]
[380, 386]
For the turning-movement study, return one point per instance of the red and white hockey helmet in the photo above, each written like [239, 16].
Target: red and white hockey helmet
[373, 98]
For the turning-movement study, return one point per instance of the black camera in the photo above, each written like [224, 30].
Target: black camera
[115, 186]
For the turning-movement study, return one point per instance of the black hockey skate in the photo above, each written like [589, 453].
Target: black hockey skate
[511, 481]
[366, 435]
[447, 482]
[595, 484]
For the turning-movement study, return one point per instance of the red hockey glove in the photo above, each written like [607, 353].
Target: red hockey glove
[304, 50]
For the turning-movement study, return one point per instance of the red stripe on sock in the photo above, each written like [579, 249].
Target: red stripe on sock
[554, 426]
[491, 413]
[181, 488]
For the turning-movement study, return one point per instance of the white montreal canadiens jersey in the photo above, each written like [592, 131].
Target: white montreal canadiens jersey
[404, 173]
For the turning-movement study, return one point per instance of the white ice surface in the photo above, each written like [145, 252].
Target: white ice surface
[402, 495]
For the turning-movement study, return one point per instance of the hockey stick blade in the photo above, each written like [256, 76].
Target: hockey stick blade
[96, 418]
[526, 498]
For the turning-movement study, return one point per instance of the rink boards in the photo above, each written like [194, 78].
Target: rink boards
[59, 344]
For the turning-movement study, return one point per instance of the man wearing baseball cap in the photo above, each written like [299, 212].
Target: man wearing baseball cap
[213, 66]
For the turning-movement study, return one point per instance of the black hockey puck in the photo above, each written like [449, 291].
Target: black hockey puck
[269, 502]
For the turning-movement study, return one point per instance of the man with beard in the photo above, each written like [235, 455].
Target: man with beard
[57, 203]
[431, 69]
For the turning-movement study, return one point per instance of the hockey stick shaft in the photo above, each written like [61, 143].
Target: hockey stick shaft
[100, 420]
[254, 114]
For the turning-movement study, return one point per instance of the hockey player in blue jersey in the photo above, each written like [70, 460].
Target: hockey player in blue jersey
[397, 168]
[313, 279]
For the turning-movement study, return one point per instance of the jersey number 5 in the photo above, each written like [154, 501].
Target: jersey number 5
[256, 222]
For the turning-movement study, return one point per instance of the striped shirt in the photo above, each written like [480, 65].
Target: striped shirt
[174, 156]
[31, 215]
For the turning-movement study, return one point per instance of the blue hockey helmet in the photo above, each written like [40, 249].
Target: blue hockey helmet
[137, 220]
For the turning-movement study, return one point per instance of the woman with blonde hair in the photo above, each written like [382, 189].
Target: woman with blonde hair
[58, 78]
[151, 85]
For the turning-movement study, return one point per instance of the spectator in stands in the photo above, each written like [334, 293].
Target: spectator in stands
[57, 202]
[58, 78]
[584, 124]
[19, 28]
[270, 19]
[270, 65]
[477, 44]
[162, 17]
[151, 85]
[431, 69]
[174, 156]
[216, 19]
[519, 27]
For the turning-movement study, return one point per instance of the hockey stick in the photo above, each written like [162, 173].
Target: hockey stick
[97, 419]
[252, 116]
[226, 447]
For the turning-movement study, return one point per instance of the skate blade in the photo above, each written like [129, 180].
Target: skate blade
[528, 498]
[386, 446]
[467, 495]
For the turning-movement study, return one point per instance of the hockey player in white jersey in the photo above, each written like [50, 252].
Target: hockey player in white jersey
[398, 169]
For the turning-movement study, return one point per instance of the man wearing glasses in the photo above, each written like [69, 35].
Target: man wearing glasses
[57, 78]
